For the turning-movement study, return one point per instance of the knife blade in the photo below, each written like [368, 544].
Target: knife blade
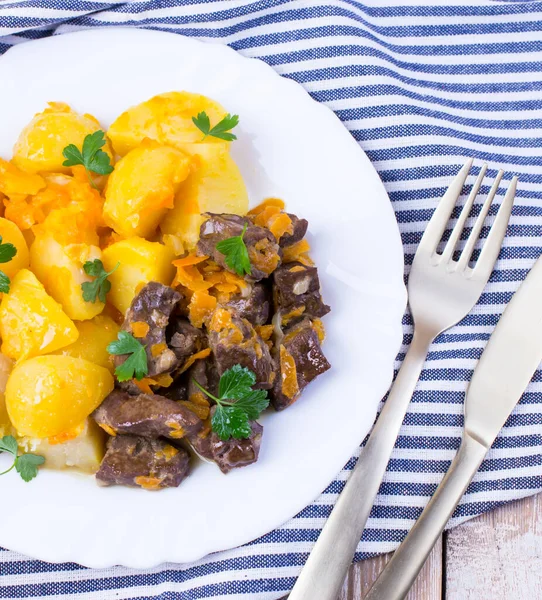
[504, 370]
[508, 362]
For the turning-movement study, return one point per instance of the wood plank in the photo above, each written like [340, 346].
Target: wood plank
[497, 556]
[428, 586]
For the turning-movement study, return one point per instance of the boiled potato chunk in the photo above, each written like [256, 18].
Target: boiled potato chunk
[11, 234]
[6, 365]
[142, 188]
[215, 185]
[40, 145]
[166, 118]
[60, 269]
[31, 322]
[140, 262]
[94, 337]
[83, 452]
[50, 395]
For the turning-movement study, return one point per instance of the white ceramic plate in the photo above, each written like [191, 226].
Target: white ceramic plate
[291, 147]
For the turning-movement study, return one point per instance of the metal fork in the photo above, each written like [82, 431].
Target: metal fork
[441, 292]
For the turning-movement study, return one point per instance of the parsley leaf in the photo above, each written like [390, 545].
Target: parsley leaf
[230, 421]
[100, 287]
[236, 381]
[90, 156]
[136, 363]
[25, 464]
[4, 283]
[7, 252]
[8, 444]
[220, 130]
[236, 254]
[237, 403]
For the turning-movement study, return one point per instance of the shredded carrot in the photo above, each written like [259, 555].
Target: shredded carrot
[280, 224]
[148, 483]
[220, 320]
[176, 430]
[226, 288]
[157, 349]
[192, 359]
[109, 430]
[66, 436]
[163, 380]
[200, 308]
[144, 384]
[190, 259]
[211, 267]
[191, 278]
[295, 251]
[318, 326]
[167, 453]
[140, 329]
[263, 217]
[293, 314]
[264, 331]
[201, 411]
[267, 202]
[288, 370]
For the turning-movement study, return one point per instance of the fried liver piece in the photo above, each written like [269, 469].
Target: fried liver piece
[296, 292]
[300, 361]
[300, 229]
[150, 416]
[234, 341]
[255, 307]
[153, 307]
[184, 339]
[141, 462]
[232, 453]
[264, 252]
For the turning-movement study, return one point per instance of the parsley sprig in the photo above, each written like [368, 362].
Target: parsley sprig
[136, 363]
[90, 156]
[235, 253]
[220, 130]
[100, 287]
[7, 252]
[25, 464]
[237, 403]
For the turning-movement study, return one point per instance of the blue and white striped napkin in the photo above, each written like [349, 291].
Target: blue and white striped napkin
[421, 86]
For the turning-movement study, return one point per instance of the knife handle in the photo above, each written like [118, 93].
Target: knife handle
[400, 573]
[323, 575]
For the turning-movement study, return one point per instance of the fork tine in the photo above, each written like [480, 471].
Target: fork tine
[437, 224]
[475, 233]
[492, 246]
[458, 228]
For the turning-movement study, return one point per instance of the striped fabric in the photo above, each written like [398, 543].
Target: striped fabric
[421, 86]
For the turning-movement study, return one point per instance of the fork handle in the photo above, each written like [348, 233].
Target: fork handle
[323, 575]
[399, 574]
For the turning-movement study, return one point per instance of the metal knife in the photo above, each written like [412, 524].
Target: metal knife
[506, 367]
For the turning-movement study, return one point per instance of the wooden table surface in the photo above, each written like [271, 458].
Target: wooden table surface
[497, 556]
